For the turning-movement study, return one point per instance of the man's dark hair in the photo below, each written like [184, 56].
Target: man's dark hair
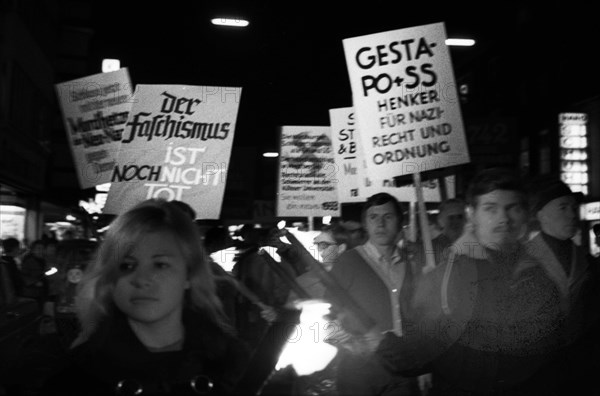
[381, 199]
[596, 228]
[450, 201]
[10, 245]
[492, 179]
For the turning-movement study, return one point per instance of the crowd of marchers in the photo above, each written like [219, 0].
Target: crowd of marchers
[504, 302]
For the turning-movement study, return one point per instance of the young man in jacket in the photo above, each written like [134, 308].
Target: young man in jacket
[487, 317]
[379, 277]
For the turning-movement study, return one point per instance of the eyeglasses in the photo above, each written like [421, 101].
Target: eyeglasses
[324, 245]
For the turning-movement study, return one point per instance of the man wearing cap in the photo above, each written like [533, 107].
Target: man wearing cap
[556, 208]
[378, 276]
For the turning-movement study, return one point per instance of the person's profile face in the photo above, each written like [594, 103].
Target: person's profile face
[498, 218]
[328, 251]
[152, 279]
[452, 220]
[559, 218]
[382, 226]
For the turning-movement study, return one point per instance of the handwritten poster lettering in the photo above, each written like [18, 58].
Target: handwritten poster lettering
[95, 110]
[405, 100]
[177, 146]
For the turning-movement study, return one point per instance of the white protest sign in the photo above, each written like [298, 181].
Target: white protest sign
[354, 182]
[307, 183]
[176, 146]
[349, 165]
[406, 102]
[95, 110]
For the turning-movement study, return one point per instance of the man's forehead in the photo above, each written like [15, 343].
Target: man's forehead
[500, 197]
[381, 209]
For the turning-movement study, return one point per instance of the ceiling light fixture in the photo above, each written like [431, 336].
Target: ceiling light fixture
[270, 155]
[460, 42]
[230, 22]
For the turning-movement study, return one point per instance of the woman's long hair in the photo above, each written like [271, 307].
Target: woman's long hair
[94, 301]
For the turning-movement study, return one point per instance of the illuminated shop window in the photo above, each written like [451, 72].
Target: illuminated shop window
[573, 151]
[12, 222]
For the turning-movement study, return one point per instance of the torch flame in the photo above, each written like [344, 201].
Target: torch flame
[305, 349]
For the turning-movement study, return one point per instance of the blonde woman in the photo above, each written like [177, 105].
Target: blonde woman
[151, 322]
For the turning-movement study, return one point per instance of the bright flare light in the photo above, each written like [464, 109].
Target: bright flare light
[110, 65]
[225, 258]
[460, 42]
[230, 22]
[305, 349]
[51, 271]
[270, 155]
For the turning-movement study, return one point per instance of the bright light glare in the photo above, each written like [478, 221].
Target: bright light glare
[110, 65]
[230, 22]
[305, 349]
[270, 155]
[51, 271]
[460, 42]
[225, 258]
[103, 187]
[281, 224]
[326, 220]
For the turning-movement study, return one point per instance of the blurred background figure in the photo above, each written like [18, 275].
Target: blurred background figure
[451, 220]
[595, 260]
[596, 230]
[216, 240]
[11, 249]
[355, 233]
[330, 243]
[251, 270]
[33, 273]
[351, 222]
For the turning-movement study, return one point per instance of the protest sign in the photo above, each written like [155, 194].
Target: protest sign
[405, 99]
[95, 110]
[306, 183]
[176, 145]
[355, 184]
